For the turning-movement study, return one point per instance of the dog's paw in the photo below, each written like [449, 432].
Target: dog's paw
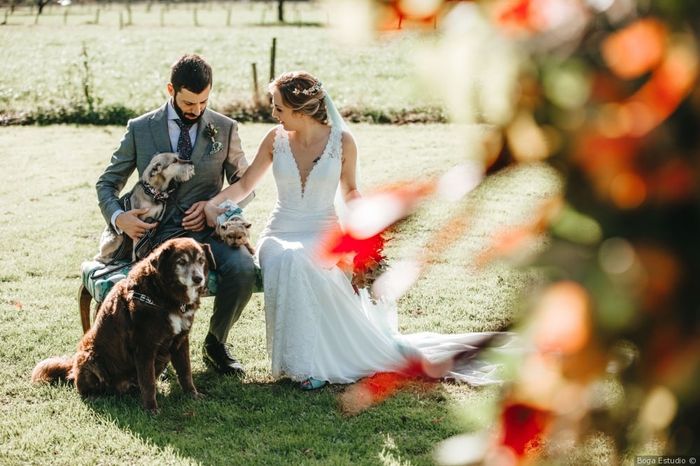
[154, 411]
[151, 407]
[197, 395]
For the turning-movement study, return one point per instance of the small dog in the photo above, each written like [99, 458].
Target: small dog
[143, 323]
[232, 228]
[152, 191]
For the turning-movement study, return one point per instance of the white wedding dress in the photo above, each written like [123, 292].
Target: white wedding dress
[317, 326]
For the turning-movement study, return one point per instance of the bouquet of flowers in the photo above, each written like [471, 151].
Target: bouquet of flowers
[369, 263]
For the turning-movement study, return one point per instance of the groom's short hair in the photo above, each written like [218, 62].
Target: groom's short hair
[191, 72]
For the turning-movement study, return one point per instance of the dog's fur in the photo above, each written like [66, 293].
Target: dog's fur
[165, 168]
[235, 232]
[131, 342]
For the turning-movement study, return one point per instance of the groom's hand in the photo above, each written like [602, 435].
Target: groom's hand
[132, 225]
[194, 219]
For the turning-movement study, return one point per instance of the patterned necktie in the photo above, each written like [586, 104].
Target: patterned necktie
[184, 143]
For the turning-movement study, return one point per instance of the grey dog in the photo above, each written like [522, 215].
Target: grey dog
[157, 182]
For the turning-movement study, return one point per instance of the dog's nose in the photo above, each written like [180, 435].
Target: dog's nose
[197, 279]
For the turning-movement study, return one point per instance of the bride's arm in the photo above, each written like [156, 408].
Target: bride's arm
[348, 174]
[245, 185]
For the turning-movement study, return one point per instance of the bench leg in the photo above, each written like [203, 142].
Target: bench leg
[85, 299]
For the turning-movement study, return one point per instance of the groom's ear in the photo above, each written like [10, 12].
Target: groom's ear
[171, 89]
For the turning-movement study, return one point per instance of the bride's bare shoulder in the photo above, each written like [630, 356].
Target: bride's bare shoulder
[349, 148]
[347, 139]
[273, 133]
[268, 141]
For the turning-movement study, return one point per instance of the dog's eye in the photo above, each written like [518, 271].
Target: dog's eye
[181, 261]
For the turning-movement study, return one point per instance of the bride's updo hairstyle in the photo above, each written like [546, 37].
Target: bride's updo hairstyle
[302, 93]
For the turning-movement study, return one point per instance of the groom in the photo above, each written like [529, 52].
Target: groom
[210, 140]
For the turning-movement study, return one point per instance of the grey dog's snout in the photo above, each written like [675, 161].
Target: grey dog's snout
[197, 278]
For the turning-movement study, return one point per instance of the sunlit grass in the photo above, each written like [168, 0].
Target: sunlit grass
[42, 63]
[50, 223]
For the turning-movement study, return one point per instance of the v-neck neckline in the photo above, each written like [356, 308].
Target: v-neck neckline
[304, 182]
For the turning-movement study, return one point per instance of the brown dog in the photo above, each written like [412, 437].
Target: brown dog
[143, 323]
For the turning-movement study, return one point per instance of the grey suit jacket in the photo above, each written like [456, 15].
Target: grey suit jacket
[147, 135]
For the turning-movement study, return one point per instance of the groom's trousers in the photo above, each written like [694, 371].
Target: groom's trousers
[236, 278]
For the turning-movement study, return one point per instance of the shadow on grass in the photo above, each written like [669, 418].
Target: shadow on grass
[270, 423]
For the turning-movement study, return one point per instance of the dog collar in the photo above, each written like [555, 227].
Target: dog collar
[148, 301]
[158, 196]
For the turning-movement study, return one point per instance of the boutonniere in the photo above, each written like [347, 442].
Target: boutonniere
[211, 131]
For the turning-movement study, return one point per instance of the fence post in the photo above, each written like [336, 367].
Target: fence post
[273, 56]
[256, 95]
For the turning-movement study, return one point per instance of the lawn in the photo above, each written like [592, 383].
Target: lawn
[50, 223]
[43, 62]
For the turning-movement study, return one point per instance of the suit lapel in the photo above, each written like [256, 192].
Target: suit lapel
[202, 143]
[159, 130]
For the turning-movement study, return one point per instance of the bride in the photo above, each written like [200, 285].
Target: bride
[318, 329]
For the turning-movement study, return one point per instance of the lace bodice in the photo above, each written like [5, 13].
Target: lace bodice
[317, 192]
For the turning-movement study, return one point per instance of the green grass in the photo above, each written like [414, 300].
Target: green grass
[129, 67]
[50, 223]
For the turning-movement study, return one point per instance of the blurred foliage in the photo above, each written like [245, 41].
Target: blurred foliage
[606, 92]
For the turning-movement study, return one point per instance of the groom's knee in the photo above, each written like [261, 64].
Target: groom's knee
[237, 268]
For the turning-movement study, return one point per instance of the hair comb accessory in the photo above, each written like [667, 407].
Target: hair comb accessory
[313, 90]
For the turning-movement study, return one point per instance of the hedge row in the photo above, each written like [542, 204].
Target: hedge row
[241, 111]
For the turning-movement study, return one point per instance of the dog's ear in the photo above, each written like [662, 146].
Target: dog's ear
[157, 168]
[162, 254]
[247, 224]
[209, 255]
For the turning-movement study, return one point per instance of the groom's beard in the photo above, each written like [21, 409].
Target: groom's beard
[183, 117]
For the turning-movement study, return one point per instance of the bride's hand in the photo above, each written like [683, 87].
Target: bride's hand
[211, 211]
